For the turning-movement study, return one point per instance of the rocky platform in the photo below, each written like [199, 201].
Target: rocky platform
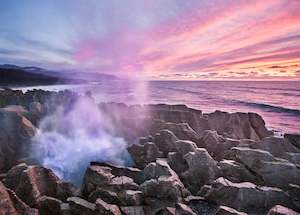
[186, 163]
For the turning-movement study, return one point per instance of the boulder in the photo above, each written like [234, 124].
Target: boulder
[36, 182]
[165, 141]
[49, 205]
[108, 196]
[79, 206]
[144, 154]
[258, 125]
[202, 169]
[216, 144]
[293, 157]
[158, 168]
[268, 170]
[94, 177]
[204, 189]
[116, 170]
[16, 132]
[246, 196]
[120, 183]
[176, 162]
[183, 131]
[10, 203]
[277, 146]
[185, 146]
[293, 139]
[131, 198]
[133, 210]
[235, 171]
[161, 182]
[13, 176]
[200, 206]
[238, 125]
[32, 182]
[65, 190]
[280, 210]
[107, 209]
[171, 113]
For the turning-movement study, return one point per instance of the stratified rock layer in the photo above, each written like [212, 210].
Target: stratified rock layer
[185, 162]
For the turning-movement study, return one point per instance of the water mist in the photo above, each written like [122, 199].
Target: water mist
[71, 137]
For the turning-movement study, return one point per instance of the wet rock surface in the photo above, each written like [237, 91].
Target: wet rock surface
[185, 162]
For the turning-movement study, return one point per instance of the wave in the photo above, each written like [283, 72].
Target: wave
[181, 90]
[271, 108]
[270, 88]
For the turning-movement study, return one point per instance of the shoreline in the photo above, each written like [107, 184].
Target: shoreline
[145, 158]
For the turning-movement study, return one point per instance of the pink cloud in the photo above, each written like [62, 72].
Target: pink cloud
[214, 36]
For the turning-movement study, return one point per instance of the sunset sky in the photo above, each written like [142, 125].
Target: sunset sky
[155, 39]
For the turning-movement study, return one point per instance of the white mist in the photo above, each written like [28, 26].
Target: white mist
[73, 136]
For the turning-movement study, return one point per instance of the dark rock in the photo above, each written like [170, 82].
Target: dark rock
[164, 183]
[166, 211]
[294, 192]
[130, 172]
[176, 162]
[169, 113]
[183, 131]
[235, 171]
[156, 169]
[107, 209]
[204, 189]
[238, 125]
[120, 183]
[131, 198]
[246, 197]
[13, 176]
[293, 157]
[49, 205]
[16, 132]
[144, 154]
[36, 182]
[293, 139]
[269, 171]
[185, 146]
[202, 170]
[108, 196]
[258, 125]
[10, 203]
[165, 141]
[216, 144]
[95, 176]
[182, 209]
[79, 206]
[32, 182]
[133, 210]
[65, 190]
[277, 146]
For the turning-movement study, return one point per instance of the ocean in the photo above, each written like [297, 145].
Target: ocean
[278, 102]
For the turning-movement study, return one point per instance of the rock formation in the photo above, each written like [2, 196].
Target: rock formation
[185, 162]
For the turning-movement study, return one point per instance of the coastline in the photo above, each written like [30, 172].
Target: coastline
[167, 156]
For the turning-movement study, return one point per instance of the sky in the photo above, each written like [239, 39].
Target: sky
[155, 39]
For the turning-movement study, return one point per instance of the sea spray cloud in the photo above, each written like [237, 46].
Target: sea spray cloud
[71, 137]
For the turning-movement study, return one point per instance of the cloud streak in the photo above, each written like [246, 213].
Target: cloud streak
[209, 39]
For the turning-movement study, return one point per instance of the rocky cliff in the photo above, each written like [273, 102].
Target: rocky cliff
[185, 162]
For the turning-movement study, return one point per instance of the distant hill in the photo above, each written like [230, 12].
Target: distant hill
[12, 75]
